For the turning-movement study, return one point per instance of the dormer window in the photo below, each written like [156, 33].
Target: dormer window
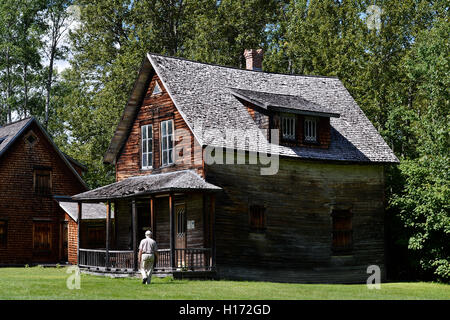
[288, 126]
[310, 129]
[156, 89]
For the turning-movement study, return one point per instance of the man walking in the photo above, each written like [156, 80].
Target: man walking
[148, 256]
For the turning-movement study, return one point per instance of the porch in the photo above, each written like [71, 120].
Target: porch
[179, 209]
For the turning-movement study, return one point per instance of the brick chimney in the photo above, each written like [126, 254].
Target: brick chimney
[253, 58]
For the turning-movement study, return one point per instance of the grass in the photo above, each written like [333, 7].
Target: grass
[39, 283]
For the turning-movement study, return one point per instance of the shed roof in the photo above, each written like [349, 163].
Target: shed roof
[201, 93]
[184, 180]
[271, 100]
[90, 211]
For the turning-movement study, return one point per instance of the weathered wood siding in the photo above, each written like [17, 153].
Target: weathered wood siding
[154, 110]
[21, 207]
[296, 245]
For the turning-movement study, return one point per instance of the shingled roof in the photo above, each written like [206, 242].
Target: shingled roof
[283, 102]
[205, 96]
[90, 211]
[12, 131]
[178, 181]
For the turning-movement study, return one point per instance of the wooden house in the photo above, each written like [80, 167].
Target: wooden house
[34, 174]
[244, 174]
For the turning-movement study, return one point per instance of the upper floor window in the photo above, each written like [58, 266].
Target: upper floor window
[147, 146]
[310, 129]
[167, 142]
[42, 181]
[288, 126]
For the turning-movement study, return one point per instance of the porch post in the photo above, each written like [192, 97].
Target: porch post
[213, 229]
[152, 216]
[108, 219]
[133, 224]
[172, 230]
[79, 231]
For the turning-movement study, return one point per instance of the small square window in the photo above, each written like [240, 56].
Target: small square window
[31, 138]
[257, 218]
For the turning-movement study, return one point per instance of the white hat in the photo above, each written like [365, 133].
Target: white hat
[148, 233]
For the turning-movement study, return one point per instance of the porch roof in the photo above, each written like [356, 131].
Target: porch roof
[91, 211]
[178, 181]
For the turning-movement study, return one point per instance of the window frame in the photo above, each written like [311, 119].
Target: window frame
[4, 236]
[149, 142]
[166, 137]
[290, 136]
[50, 226]
[37, 188]
[257, 213]
[347, 248]
[154, 89]
[307, 137]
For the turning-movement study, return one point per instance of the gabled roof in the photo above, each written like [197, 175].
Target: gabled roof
[178, 181]
[201, 93]
[12, 131]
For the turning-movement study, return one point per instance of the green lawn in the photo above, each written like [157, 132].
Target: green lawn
[50, 283]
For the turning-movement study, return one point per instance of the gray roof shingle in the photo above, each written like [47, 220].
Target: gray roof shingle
[270, 100]
[203, 94]
[89, 211]
[184, 180]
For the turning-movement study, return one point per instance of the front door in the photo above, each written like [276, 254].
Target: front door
[180, 234]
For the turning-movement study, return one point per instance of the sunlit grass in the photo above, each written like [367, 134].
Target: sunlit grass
[51, 283]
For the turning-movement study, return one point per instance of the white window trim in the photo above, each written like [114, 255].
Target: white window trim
[155, 88]
[288, 127]
[167, 144]
[149, 163]
[310, 131]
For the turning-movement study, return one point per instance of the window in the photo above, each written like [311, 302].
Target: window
[96, 236]
[167, 142]
[288, 126]
[257, 216]
[147, 146]
[42, 181]
[42, 236]
[31, 138]
[156, 89]
[180, 220]
[3, 233]
[342, 231]
[310, 129]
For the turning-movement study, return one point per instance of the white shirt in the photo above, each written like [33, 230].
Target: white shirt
[148, 245]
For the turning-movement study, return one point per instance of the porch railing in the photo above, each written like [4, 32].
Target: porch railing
[97, 258]
[189, 259]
